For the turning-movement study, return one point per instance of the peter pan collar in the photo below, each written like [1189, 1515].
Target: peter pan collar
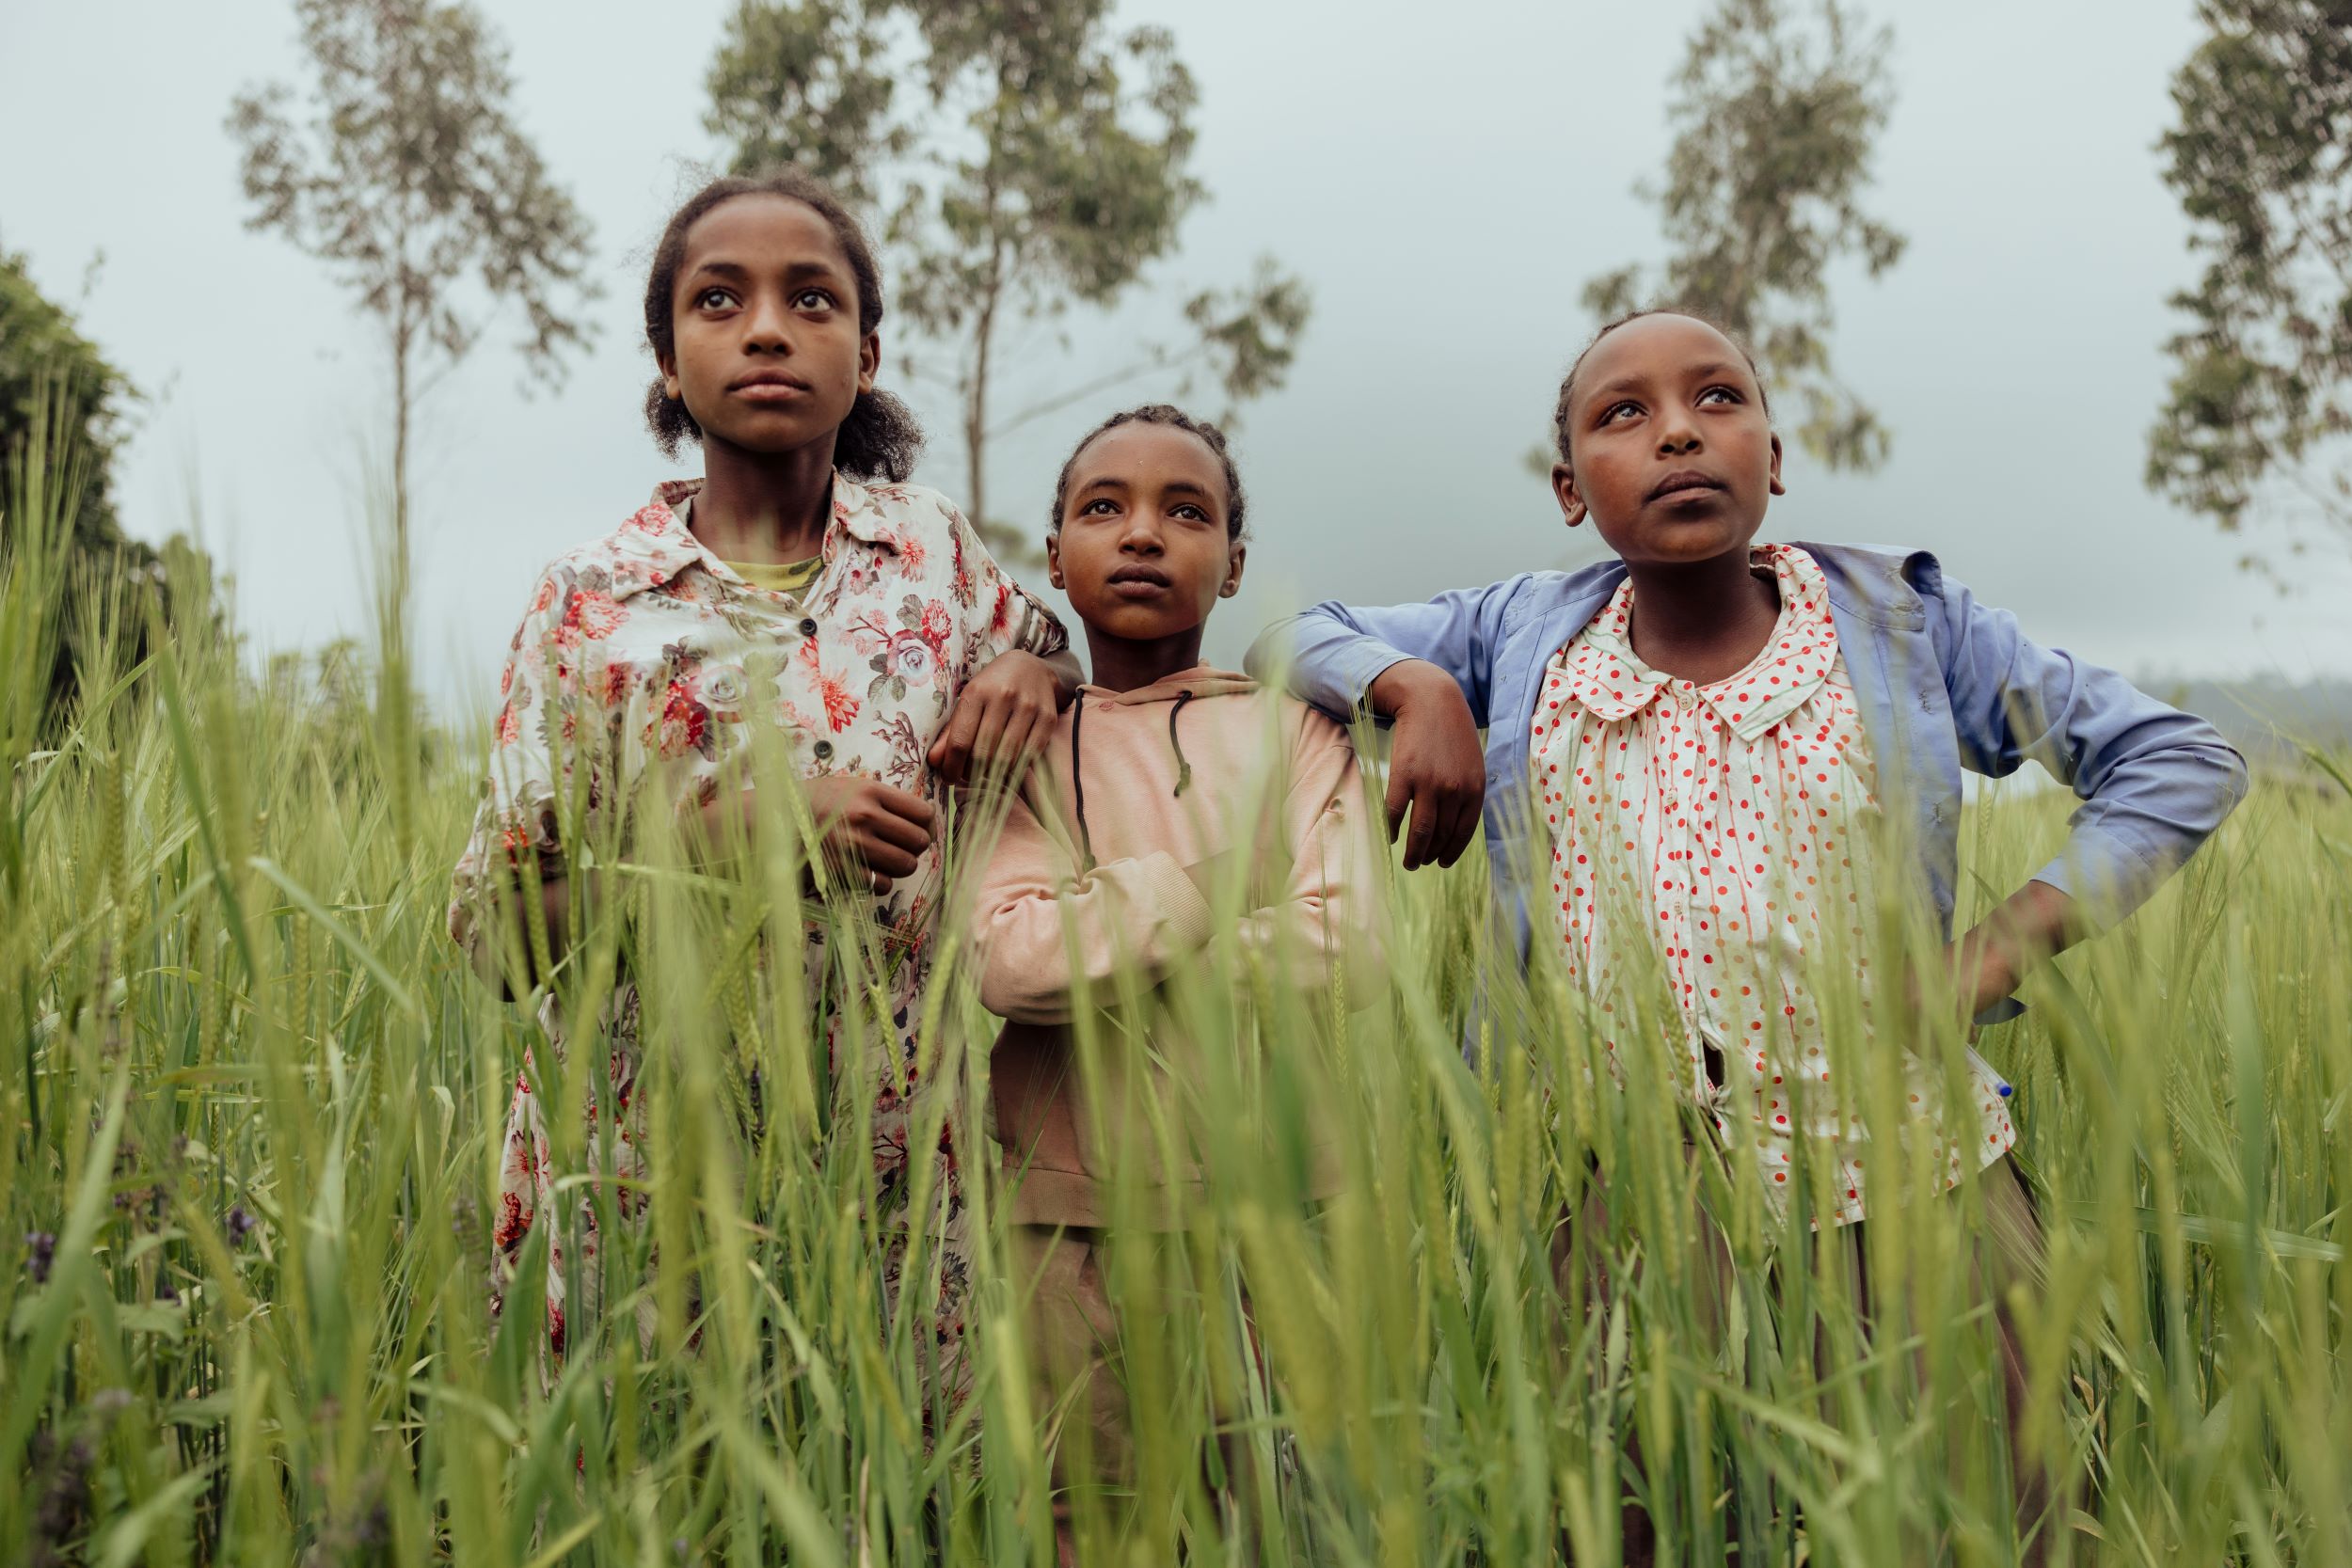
[1602, 672]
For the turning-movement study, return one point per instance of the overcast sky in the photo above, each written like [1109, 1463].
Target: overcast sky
[1445, 178]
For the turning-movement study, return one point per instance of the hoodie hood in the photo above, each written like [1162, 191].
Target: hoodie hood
[1201, 680]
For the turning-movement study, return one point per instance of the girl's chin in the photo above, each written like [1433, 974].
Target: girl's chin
[1676, 541]
[1133, 623]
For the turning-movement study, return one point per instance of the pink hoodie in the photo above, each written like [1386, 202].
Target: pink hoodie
[1088, 881]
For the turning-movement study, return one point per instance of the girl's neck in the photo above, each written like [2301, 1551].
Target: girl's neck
[768, 508]
[1125, 664]
[1702, 621]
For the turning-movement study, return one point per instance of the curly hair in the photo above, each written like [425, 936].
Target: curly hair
[1567, 382]
[1175, 418]
[880, 439]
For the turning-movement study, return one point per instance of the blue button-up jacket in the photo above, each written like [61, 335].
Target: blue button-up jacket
[1943, 683]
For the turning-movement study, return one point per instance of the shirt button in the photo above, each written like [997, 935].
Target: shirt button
[823, 750]
[808, 626]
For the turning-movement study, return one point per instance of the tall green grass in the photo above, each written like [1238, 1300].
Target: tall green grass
[253, 1105]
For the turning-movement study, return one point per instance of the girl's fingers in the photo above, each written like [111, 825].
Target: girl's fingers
[890, 859]
[952, 754]
[1025, 734]
[904, 803]
[988, 736]
[1420, 838]
[896, 832]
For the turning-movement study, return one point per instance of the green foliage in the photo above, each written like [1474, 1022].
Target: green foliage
[409, 175]
[45, 359]
[252, 1107]
[1775, 126]
[1042, 164]
[61, 427]
[2256, 412]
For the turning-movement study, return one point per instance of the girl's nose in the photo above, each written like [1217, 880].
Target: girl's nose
[764, 327]
[1142, 533]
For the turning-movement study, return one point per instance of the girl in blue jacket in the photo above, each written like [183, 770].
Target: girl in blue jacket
[1692, 751]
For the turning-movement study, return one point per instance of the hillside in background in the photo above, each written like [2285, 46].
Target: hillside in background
[2267, 717]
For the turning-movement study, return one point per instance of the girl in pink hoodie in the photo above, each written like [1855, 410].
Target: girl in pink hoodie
[1171, 793]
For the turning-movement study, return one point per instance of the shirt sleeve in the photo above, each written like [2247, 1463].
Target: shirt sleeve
[1331, 655]
[1010, 617]
[2155, 782]
[1050, 936]
[1328, 920]
[547, 766]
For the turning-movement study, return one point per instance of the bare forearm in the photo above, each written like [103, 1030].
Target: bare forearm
[1395, 688]
[1068, 677]
[2035, 923]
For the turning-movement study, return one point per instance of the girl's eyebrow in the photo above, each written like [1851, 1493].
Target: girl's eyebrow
[795, 271]
[1102, 482]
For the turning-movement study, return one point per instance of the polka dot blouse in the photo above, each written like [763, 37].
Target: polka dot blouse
[1729, 826]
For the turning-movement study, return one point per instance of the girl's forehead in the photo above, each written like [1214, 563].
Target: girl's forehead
[1139, 447]
[1656, 346]
[763, 231]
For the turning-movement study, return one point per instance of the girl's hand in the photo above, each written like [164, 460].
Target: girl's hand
[1435, 765]
[1002, 719]
[1987, 964]
[869, 831]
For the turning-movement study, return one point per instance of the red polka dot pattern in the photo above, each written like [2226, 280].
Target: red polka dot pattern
[1729, 826]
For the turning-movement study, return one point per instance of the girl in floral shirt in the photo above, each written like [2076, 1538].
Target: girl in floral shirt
[800, 588]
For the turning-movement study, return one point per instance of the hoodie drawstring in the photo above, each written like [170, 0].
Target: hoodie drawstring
[1078, 785]
[1184, 768]
[1077, 770]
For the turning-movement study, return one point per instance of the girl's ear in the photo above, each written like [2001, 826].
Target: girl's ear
[1053, 558]
[1572, 504]
[1232, 573]
[667, 365]
[1778, 488]
[868, 361]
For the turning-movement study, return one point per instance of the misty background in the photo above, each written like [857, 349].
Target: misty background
[1445, 181]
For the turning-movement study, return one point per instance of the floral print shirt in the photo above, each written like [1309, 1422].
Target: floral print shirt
[1729, 825]
[641, 667]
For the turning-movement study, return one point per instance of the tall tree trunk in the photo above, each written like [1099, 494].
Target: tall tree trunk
[401, 350]
[975, 392]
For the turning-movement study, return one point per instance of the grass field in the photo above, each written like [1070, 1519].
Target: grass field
[253, 1103]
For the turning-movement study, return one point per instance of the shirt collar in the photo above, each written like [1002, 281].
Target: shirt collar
[1602, 672]
[654, 546]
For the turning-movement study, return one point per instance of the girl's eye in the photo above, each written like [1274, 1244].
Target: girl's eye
[1190, 512]
[1724, 393]
[1609, 415]
[713, 299]
[1098, 507]
[823, 300]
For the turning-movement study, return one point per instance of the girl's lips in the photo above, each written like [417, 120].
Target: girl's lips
[1136, 588]
[1676, 486]
[769, 391]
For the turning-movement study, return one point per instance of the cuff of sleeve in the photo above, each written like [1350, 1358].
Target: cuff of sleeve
[1185, 912]
[1357, 666]
[2107, 879]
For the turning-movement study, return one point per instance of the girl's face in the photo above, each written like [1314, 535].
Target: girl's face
[1143, 550]
[1674, 458]
[769, 355]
